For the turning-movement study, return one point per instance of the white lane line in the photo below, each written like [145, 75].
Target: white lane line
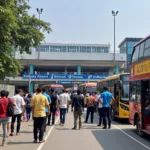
[48, 134]
[129, 136]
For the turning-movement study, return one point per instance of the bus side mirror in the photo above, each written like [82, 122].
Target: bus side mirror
[119, 84]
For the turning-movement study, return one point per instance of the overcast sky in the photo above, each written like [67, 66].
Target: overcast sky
[91, 21]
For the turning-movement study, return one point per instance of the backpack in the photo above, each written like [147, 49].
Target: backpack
[10, 109]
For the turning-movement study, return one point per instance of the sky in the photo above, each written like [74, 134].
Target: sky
[91, 21]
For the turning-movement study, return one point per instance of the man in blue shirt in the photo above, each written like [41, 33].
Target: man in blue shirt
[106, 98]
[46, 108]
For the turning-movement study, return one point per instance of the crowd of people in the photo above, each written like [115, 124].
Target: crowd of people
[94, 102]
[43, 107]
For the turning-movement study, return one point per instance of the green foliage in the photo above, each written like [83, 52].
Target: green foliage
[18, 31]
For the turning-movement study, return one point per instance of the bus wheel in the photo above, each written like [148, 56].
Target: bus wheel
[139, 128]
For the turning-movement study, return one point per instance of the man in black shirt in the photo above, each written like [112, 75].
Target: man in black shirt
[78, 106]
[53, 107]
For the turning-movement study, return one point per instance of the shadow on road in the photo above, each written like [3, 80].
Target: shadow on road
[121, 122]
[26, 132]
[63, 128]
[115, 140]
[19, 142]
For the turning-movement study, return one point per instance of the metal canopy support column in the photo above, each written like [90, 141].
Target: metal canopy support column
[79, 69]
[31, 71]
[116, 69]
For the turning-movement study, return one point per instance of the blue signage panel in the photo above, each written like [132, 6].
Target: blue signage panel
[69, 82]
[64, 82]
[59, 76]
[99, 76]
[37, 76]
[63, 76]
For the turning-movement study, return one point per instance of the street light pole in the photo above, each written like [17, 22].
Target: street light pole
[39, 11]
[115, 14]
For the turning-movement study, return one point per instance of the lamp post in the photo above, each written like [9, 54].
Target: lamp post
[39, 11]
[114, 13]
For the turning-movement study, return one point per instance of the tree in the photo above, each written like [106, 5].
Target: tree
[18, 31]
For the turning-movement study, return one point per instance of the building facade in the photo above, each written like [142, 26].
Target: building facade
[126, 46]
[67, 63]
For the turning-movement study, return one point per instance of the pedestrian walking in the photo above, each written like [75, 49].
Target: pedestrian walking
[78, 108]
[106, 98]
[35, 92]
[18, 110]
[46, 108]
[100, 109]
[9, 118]
[68, 101]
[4, 102]
[38, 104]
[53, 107]
[90, 102]
[63, 104]
[28, 106]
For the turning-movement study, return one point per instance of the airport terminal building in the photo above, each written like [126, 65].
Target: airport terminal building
[56, 62]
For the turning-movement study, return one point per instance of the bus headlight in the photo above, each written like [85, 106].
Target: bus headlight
[124, 107]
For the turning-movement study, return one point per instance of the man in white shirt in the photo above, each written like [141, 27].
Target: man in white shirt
[68, 100]
[18, 110]
[63, 104]
[100, 109]
[35, 93]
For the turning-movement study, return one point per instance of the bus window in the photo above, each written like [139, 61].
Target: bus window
[136, 54]
[147, 48]
[141, 50]
[125, 91]
[145, 92]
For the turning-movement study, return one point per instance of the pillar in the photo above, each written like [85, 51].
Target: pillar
[116, 69]
[79, 69]
[111, 71]
[66, 71]
[31, 71]
[31, 86]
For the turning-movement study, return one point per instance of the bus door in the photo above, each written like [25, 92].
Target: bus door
[145, 96]
[116, 97]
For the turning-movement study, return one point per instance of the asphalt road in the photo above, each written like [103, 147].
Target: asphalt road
[121, 136]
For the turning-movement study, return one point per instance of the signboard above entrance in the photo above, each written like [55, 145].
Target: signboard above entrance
[64, 76]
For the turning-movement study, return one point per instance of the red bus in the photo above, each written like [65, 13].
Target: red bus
[139, 106]
[88, 87]
[56, 87]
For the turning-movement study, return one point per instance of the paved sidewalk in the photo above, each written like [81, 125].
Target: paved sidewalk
[22, 141]
[120, 137]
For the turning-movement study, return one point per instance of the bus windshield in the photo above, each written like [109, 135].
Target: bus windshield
[59, 90]
[91, 89]
[125, 91]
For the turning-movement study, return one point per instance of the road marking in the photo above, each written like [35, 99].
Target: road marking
[47, 136]
[129, 136]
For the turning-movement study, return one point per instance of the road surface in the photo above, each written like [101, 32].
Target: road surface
[122, 136]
